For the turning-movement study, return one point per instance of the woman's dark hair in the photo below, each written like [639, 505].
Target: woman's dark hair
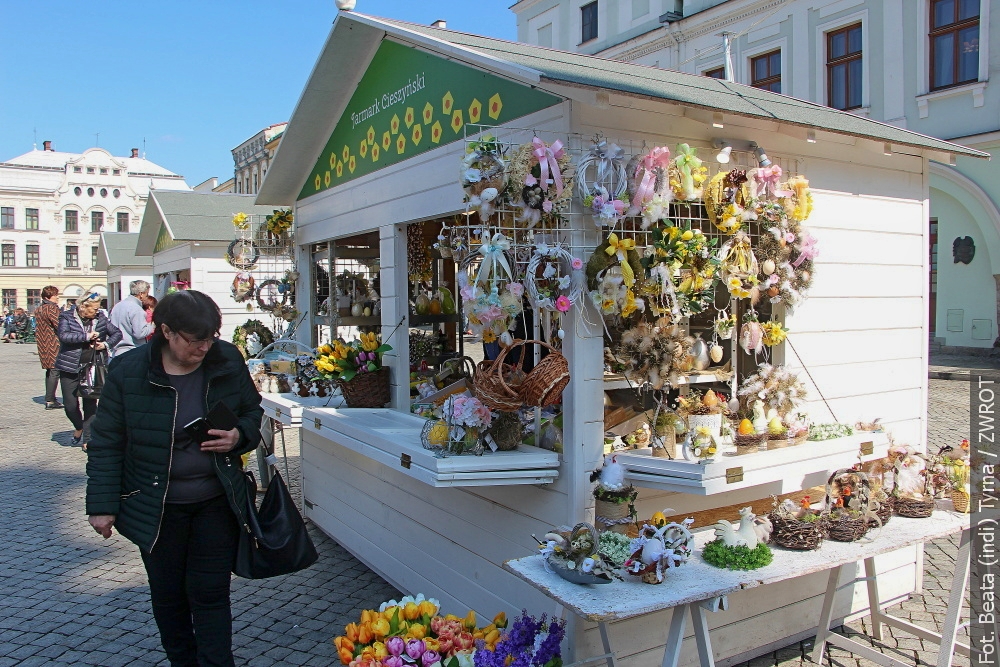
[49, 291]
[190, 312]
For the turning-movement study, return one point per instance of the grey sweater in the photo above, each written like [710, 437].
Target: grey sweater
[130, 318]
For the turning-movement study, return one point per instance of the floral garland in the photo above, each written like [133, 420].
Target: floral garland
[605, 193]
[649, 185]
[654, 354]
[776, 387]
[541, 180]
[682, 269]
[484, 175]
[786, 252]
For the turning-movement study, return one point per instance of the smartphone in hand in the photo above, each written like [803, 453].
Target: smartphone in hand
[220, 418]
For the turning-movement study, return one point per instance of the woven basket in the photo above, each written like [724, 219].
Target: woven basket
[612, 512]
[961, 501]
[845, 528]
[884, 512]
[669, 441]
[913, 508]
[497, 384]
[545, 382]
[799, 439]
[795, 534]
[748, 444]
[367, 390]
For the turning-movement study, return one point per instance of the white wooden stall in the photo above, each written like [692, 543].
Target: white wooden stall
[862, 334]
[116, 256]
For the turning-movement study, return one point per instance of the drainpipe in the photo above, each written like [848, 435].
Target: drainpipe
[727, 49]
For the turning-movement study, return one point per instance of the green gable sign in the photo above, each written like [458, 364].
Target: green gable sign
[164, 240]
[409, 102]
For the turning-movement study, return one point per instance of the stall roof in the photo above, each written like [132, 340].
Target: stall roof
[192, 216]
[118, 249]
[355, 37]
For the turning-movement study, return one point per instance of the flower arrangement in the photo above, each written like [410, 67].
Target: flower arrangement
[726, 200]
[786, 250]
[280, 221]
[611, 278]
[243, 332]
[739, 557]
[776, 387]
[411, 631]
[702, 444]
[601, 182]
[241, 221]
[575, 555]
[649, 185]
[687, 174]
[724, 325]
[541, 180]
[660, 547]
[340, 360]
[615, 548]
[739, 267]
[682, 265]
[529, 641]
[484, 175]
[654, 354]
[773, 333]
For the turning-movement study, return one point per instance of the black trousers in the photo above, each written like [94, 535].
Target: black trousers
[70, 382]
[51, 382]
[189, 574]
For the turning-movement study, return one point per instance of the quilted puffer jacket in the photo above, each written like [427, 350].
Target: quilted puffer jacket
[129, 456]
[73, 338]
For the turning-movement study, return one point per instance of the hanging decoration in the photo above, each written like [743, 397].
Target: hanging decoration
[418, 258]
[776, 387]
[554, 280]
[491, 297]
[601, 183]
[739, 266]
[682, 269]
[726, 200]
[484, 176]
[541, 181]
[751, 334]
[649, 185]
[786, 249]
[243, 287]
[655, 355]
[611, 276]
[688, 175]
[242, 254]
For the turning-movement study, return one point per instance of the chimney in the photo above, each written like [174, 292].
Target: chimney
[135, 152]
[440, 23]
[47, 146]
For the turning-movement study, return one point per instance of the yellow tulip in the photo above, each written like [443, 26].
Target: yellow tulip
[351, 632]
[470, 620]
[389, 611]
[411, 611]
[380, 628]
[500, 620]
[380, 651]
[432, 644]
[416, 631]
[492, 638]
[427, 608]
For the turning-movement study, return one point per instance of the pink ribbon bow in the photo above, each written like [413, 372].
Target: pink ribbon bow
[548, 161]
[658, 157]
[766, 182]
[807, 250]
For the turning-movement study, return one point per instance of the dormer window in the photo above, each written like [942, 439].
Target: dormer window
[104, 171]
[116, 172]
[77, 170]
[90, 170]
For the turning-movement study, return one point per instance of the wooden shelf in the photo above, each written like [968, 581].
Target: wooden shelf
[287, 408]
[783, 470]
[619, 382]
[420, 320]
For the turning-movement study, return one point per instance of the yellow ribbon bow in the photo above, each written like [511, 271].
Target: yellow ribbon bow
[621, 248]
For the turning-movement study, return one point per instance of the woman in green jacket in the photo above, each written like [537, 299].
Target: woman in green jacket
[182, 502]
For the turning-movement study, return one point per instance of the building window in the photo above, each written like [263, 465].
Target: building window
[6, 217]
[8, 254]
[116, 193]
[544, 36]
[34, 299]
[254, 183]
[90, 170]
[93, 257]
[954, 39]
[765, 71]
[717, 73]
[78, 191]
[77, 170]
[123, 221]
[104, 192]
[72, 221]
[72, 257]
[31, 218]
[639, 8]
[90, 192]
[843, 67]
[96, 221]
[32, 256]
[588, 20]
[104, 170]
[10, 299]
[116, 172]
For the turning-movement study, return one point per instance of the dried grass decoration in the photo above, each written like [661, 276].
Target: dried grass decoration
[484, 175]
[649, 186]
[541, 181]
[601, 183]
[776, 387]
[654, 354]
[687, 174]
[785, 250]
[418, 256]
[611, 278]
[739, 267]
[554, 280]
[727, 200]
[796, 527]
[682, 269]
[491, 298]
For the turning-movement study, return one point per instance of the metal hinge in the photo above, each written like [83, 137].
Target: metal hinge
[317, 423]
[308, 503]
[404, 460]
[277, 412]
[734, 475]
[867, 448]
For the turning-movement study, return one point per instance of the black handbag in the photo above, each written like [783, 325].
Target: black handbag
[275, 540]
[92, 377]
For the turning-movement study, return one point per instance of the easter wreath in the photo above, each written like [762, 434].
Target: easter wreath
[484, 175]
[601, 183]
[649, 185]
[541, 180]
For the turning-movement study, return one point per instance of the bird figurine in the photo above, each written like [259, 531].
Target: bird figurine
[745, 534]
[955, 453]
[804, 508]
[611, 475]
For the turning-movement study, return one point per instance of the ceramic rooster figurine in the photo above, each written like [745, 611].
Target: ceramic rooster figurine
[751, 531]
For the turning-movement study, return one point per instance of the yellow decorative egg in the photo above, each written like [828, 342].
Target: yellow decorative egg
[438, 435]
[775, 426]
[659, 519]
[746, 427]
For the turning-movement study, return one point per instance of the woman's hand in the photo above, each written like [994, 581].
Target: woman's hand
[224, 441]
[99, 346]
[102, 523]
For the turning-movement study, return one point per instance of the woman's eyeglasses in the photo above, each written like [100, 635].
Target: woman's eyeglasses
[199, 341]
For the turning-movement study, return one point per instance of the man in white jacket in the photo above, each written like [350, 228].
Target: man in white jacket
[130, 317]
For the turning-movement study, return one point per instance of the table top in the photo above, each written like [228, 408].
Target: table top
[696, 580]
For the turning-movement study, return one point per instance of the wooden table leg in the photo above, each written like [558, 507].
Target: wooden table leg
[700, 623]
[675, 637]
[873, 599]
[958, 585]
[826, 615]
[606, 643]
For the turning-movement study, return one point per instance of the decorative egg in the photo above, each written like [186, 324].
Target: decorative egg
[804, 275]
[716, 353]
[773, 291]
[438, 434]
[710, 400]
[775, 427]
[435, 307]
[422, 304]
[358, 309]
[746, 427]
[658, 519]
[734, 404]
[367, 311]
[768, 267]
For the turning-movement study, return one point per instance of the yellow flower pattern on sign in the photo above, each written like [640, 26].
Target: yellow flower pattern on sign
[428, 113]
[496, 105]
[400, 144]
[418, 134]
[326, 179]
[436, 132]
[409, 116]
[475, 111]
[317, 182]
[333, 160]
[394, 124]
[386, 140]
[351, 164]
[340, 169]
[447, 102]
[363, 148]
[456, 120]
[375, 152]
[344, 154]
[371, 135]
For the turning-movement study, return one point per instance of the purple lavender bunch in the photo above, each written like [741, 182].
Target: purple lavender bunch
[519, 644]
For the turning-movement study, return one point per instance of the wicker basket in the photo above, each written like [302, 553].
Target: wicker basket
[884, 512]
[839, 525]
[545, 382]
[796, 534]
[913, 508]
[961, 501]
[367, 390]
[497, 384]
[612, 512]
[846, 529]
[778, 441]
[748, 444]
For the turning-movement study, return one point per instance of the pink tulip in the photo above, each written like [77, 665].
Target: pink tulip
[415, 648]
[393, 661]
[395, 645]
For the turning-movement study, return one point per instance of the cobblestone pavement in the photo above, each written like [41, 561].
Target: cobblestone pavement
[72, 598]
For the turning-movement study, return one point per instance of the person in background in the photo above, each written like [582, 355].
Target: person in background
[20, 325]
[149, 304]
[47, 341]
[129, 316]
[83, 333]
[183, 503]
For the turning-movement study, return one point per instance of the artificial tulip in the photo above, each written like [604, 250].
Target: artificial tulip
[345, 656]
[380, 628]
[395, 645]
[416, 631]
[470, 620]
[492, 637]
[415, 648]
[393, 661]
[430, 659]
[432, 644]
[411, 611]
[351, 632]
[368, 615]
[500, 620]
[365, 634]
[343, 642]
[427, 609]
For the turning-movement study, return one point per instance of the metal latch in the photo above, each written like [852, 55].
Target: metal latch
[404, 460]
[317, 423]
[277, 412]
[308, 503]
[867, 448]
[734, 475]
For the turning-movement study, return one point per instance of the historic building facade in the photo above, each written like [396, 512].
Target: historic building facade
[252, 158]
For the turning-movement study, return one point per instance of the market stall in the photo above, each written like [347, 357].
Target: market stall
[732, 322]
[116, 255]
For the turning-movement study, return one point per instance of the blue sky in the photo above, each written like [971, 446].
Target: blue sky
[194, 78]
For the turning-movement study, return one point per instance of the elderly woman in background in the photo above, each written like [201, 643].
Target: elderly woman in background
[85, 335]
[46, 325]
